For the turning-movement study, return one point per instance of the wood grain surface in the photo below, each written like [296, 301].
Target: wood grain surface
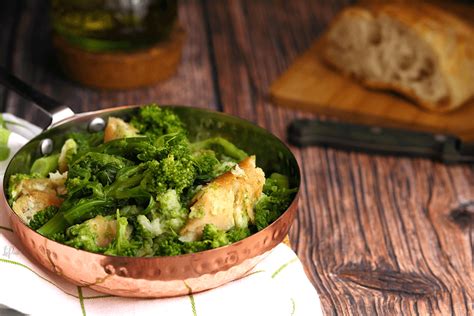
[378, 235]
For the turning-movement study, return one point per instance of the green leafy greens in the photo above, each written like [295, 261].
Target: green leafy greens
[131, 196]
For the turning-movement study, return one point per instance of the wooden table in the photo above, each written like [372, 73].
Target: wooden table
[378, 235]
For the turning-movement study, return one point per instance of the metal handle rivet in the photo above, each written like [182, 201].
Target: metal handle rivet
[46, 146]
[96, 125]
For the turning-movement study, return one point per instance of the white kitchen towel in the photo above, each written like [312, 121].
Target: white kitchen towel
[278, 285]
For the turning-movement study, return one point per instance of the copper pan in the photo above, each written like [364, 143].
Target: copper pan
[152, 276]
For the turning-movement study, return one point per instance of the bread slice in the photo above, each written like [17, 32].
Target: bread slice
[418, 50]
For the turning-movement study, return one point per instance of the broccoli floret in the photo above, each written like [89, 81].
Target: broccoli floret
[207, 164]
[44, 165]
[41, 217]
[169, 173]
[154, 121]
[157, 176]
[169, 204]
[177, 174]
[172, 213]
[175, 144]
[144, 247]
[237, 233]
[275, 199]
[140, 149]
[167, 245]
[214, 236]
[59, 237]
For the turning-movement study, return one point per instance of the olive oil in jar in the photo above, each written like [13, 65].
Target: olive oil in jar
[113, 25]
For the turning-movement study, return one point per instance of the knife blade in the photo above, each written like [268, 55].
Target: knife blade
[379, 140]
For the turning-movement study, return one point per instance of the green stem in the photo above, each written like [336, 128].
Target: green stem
[82, 210]
[228, 148]
[44, 165]
[57, 224]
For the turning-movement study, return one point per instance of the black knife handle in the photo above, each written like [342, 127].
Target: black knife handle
[371, 139]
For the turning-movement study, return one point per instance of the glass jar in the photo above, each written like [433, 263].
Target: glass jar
[113, 25]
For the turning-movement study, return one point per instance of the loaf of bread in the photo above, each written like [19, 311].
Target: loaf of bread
[417, 50]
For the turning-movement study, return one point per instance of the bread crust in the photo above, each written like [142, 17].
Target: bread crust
[450, 39]
[226, 198]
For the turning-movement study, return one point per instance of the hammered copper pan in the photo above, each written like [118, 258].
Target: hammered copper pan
[152, 276]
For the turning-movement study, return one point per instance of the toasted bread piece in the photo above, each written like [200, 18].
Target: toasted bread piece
[227, 201]
[104, 228]
[33, 195]
[416, 49]
[53, 185]
[117, 128]
[27, 205]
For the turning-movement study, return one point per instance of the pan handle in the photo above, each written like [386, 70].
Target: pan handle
[53, 108]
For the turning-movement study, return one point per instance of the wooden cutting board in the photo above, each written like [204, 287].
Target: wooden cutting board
[309, 84]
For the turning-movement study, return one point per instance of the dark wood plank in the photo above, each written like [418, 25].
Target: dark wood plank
[34, 61]
[377, 234]
[9, 13]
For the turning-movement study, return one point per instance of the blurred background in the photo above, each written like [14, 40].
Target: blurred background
[231, 53]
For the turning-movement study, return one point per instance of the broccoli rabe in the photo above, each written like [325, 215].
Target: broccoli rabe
[40, 218]
[132, 196]
[208, 166]
[154, 121]
[276, 197]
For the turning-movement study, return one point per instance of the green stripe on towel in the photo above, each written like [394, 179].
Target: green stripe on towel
[81, 300]
[283, 266]
[191, 298]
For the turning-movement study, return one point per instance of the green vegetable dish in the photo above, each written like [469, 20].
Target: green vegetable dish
[141, 188]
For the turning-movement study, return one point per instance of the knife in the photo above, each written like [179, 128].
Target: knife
[379, 140]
